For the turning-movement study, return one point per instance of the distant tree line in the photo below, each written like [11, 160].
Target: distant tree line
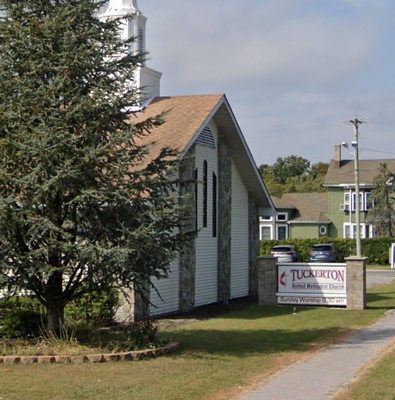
[293, 174]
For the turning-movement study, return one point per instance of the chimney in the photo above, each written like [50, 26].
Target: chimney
[338, 155]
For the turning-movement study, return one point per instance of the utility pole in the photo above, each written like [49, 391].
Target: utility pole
[355, 144]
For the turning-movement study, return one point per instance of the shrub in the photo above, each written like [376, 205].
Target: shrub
[141, 334]
[97, 308]
[376, 249]
[21, 317]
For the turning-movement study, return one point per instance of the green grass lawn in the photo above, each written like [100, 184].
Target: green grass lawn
[219, 356]
[379, 267]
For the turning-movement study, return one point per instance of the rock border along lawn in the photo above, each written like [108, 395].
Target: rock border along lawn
[93, 358]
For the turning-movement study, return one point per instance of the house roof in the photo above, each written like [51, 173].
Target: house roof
[345, 175]
[281, 202]
[310, 207]
[186, 117]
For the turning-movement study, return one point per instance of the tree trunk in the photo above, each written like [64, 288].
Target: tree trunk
[55, 304]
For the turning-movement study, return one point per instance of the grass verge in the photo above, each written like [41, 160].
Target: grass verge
[379, 267]
[220, 356]
[376, 383]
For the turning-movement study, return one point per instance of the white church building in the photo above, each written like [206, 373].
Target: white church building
[220, 263]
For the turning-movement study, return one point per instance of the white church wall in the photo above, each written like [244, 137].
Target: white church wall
[164, 299]
[206, 277]
[239, 274]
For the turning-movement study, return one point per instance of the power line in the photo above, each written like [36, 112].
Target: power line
[377, 151]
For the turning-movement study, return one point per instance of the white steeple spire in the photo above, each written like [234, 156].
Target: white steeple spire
[130, 27]
[146, 77]
[120, 5]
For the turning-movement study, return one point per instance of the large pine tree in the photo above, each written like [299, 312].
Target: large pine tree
[80, 205]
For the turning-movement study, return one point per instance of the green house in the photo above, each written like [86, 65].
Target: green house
[331, 213]
[340, 182]
[298, 215]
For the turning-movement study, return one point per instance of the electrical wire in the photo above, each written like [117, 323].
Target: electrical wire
[377, 151]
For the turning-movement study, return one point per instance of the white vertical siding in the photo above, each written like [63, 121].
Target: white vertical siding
[206, 277]
[239, 273]
[167, 299]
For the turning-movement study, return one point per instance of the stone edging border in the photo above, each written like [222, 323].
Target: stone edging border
[93, 358]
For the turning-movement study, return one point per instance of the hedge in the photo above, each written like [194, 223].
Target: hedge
[21, 317]
[376, 249]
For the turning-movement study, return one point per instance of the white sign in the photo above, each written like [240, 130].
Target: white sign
[312, 284]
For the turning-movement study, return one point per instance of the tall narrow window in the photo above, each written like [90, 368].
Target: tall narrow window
[205, 182]
[361, 201]
[214, 205]
[281, 232]
[196, 199]
[368, 201]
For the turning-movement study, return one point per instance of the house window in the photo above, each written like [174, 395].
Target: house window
[361, 202]
[266, 218]
[346, 231]
[347, 199]
[281, 232]
[266, 232]
[365, 201]
[368, 201]
[214, 205]
[281, 216]
[350, 231]
[205, 183]
[346, 206]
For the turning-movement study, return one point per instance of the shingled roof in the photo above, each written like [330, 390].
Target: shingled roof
[310, 207]
[186, 116]
[344, 174]
[281, 202]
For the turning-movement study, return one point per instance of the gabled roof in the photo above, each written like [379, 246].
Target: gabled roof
[187, 116]
[310, 207]
[344, 175]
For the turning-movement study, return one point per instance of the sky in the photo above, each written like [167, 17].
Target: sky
[293, 71]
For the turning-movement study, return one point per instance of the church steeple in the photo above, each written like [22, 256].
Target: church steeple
[131, 27]
[146, 78]
[120, 4]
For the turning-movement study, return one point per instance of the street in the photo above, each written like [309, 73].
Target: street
[379, 277]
